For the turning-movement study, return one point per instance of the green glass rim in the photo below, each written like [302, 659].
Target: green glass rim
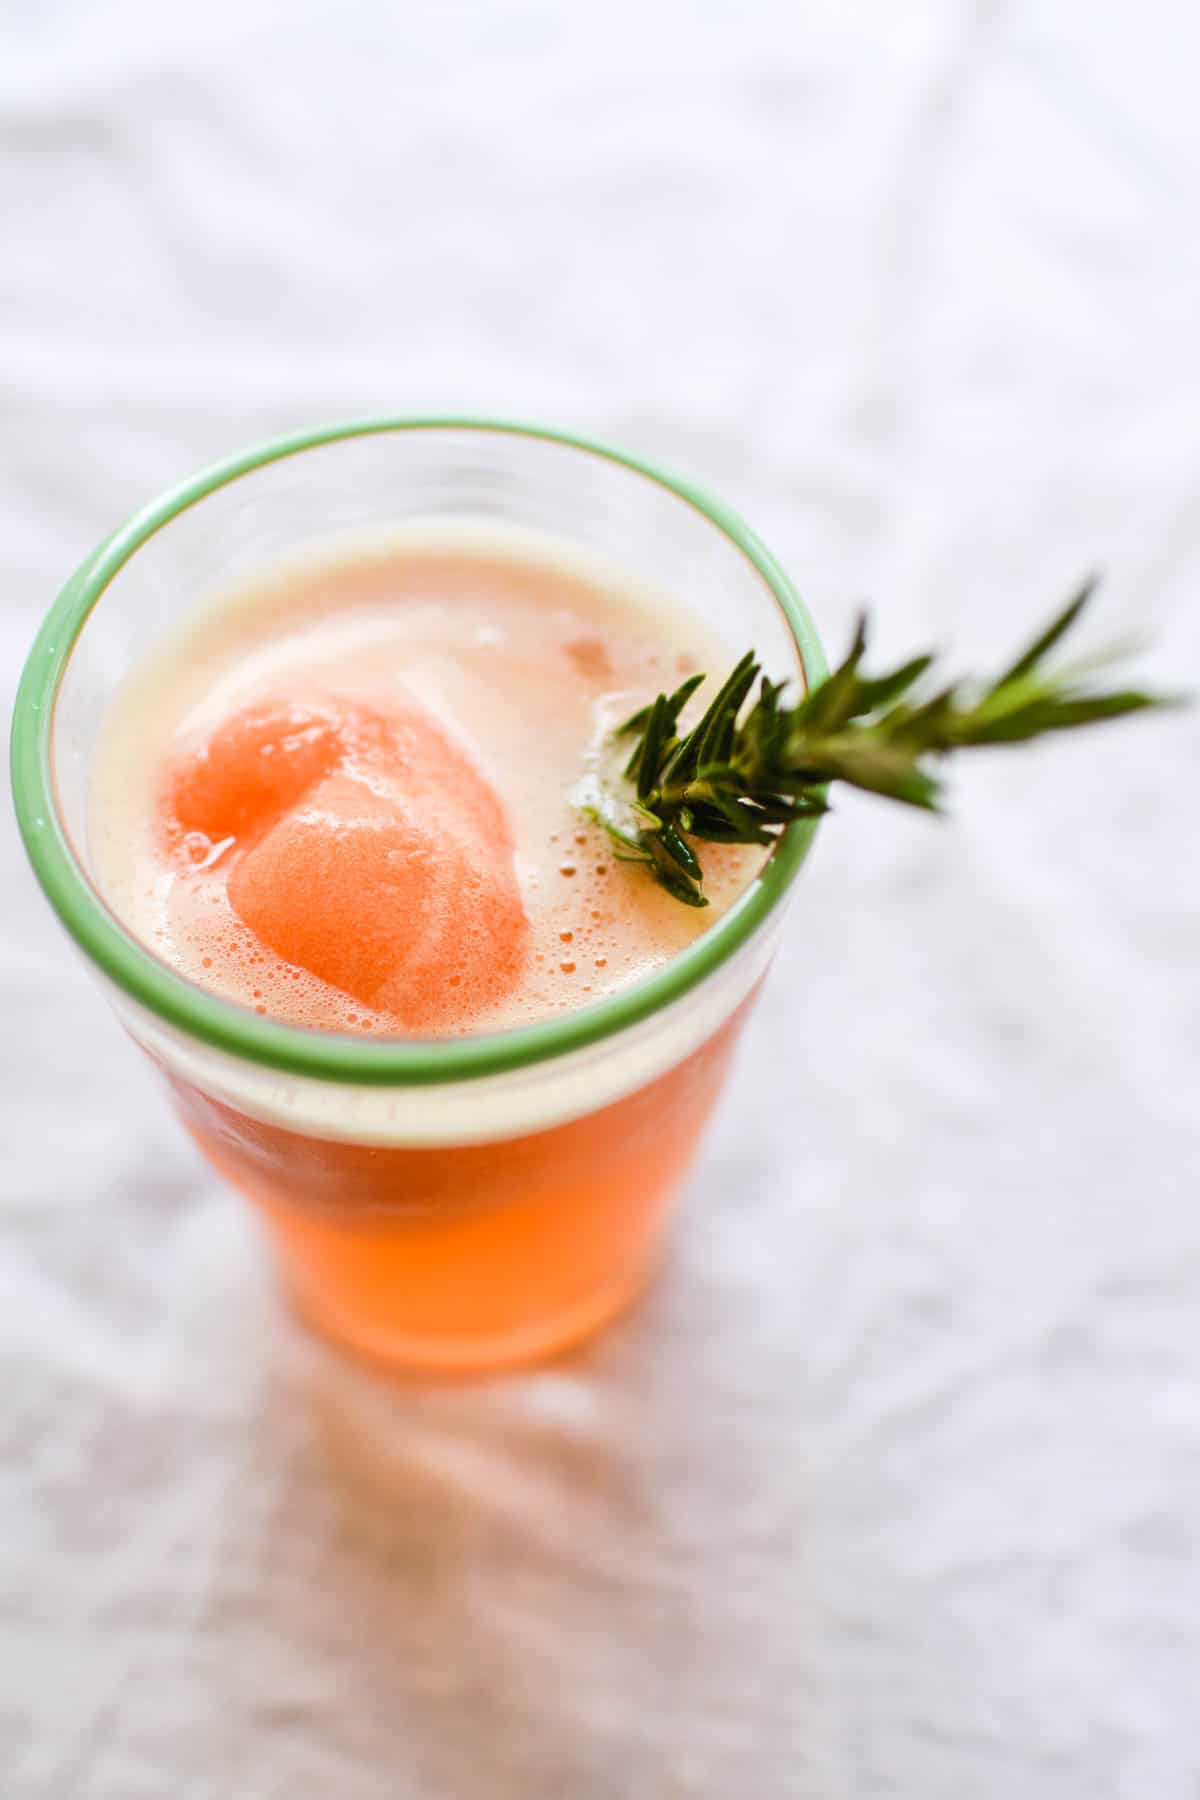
[329, 1056]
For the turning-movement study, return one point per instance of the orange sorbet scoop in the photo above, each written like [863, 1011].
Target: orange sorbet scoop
[368, 850]
[256, 765]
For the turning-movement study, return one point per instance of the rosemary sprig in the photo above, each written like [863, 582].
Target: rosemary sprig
[741, 777]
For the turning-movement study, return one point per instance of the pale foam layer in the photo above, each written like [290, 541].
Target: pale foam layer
[526, 654]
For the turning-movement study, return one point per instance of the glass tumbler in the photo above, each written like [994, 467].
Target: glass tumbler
[433, 1204]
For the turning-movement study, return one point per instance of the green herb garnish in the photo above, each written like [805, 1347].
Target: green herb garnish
[741, 780]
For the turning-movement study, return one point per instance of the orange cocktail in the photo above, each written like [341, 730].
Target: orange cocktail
[457, 1256]
[405, 999]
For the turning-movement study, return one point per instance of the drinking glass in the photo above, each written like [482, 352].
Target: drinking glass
[433, 1204]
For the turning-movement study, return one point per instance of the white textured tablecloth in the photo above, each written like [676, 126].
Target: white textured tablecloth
[893, 1486]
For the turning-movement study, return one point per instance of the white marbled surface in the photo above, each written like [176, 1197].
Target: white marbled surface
[893, 1487]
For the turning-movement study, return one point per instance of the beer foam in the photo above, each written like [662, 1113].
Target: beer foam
[523, 656]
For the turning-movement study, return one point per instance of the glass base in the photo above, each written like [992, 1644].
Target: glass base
[402, 1353]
